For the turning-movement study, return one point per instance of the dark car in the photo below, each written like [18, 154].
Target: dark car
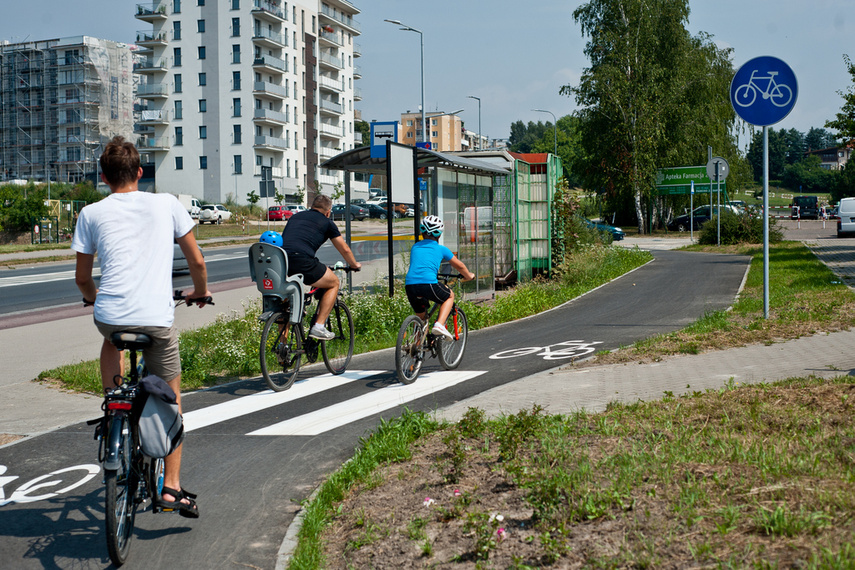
[701, 215]
[805, 207]
[279, 213]
[375, 211]
[356, 212]
[616, 233]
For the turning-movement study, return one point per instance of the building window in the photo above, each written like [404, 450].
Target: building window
[434, 134]
[288, 167]
[235, 27]
[258, 160]
[238, 164]
[203, 105]
[200, 2]
[203, 162]
[179, 109]
[176, 57]
[236, 107]
[203, 78]
[202, 52]
[236, 80]
[179, 163]
[200, 26]
[237, 134]
[235, 4]
[176, 6]
[179, 136]
[433, 122]
[203, 132]
[409, 134]
[177, 80]
[236, 53]
[176, 30]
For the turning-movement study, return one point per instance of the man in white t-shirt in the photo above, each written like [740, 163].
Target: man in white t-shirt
[133, 232]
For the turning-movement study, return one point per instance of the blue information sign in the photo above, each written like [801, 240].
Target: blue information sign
[763, 91]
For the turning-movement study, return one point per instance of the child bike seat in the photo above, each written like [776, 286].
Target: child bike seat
[268, 267]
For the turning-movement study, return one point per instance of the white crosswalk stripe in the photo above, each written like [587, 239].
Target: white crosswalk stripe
[337, 415]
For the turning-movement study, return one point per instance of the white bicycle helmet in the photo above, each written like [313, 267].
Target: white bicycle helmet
[432, 226]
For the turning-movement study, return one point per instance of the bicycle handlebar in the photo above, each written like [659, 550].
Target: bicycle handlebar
[339, 266]
[177, 295]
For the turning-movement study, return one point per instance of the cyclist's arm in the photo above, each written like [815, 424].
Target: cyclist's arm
[342, 247]
[196, 263]
[462, 269]
[83, 275]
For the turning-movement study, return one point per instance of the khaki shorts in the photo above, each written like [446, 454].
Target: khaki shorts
[162, 357]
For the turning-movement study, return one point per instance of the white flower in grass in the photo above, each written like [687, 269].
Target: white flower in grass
[428, 501]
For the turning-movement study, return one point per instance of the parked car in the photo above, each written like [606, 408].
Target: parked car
[375, 211]
[214, 214]
[297, 208]
[616, 233]
[846, 219]
[701, 215]
[832, 213]
[179, 262]
[279, 213]
[805, 207]
[399, 209]
[356, 212]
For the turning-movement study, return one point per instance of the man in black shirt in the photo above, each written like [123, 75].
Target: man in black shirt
[303, 236]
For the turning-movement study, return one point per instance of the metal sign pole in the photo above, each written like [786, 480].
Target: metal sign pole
[691, 213]
[765, 222]
[718, 202]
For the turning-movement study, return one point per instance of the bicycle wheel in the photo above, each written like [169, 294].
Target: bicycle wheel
[280, 355]
[409, 350]
[119, 505]
[338, 351]
[451, 351]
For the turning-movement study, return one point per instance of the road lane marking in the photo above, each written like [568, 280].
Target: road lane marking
[217, 413]
[337, 415]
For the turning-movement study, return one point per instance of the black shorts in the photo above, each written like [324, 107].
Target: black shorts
[421, 294]
[311, 267]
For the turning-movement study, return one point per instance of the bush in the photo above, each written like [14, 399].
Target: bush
[745, 228]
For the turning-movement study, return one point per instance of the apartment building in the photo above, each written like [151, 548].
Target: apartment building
[445, 131]
[60, 100]
[236, 92]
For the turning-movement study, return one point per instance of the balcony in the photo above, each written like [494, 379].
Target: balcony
[357, 71]
[330, 37]
[151, 12]
[270, 89]
[152, 91]
[357, 138]
[331, 60]
[342, 19]
[357, 49]
[154, 117]
[357, 94]
[268, 11]
[269, 63]
[331, 130]
[151, 39]
[326, 152]
[269, 39]
[270, 116]
[150, 65]
[331, 106]
[336, 85]
[153, 143]
[270, 142]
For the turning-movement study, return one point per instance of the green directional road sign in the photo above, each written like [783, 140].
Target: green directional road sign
[678, 180]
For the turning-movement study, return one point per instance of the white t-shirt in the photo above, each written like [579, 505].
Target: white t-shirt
[133, 234]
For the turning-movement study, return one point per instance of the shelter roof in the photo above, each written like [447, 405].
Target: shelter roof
[360, 160]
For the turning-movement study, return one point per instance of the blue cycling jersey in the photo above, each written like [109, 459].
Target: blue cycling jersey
[425, 259]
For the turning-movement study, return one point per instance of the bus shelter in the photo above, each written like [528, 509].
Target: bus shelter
[459, 190]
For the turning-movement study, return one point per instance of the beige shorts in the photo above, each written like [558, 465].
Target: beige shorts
[162, 358]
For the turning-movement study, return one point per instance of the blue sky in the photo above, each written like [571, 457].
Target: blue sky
[514, 55]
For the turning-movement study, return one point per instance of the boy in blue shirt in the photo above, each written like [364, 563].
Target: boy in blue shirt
[422, 285]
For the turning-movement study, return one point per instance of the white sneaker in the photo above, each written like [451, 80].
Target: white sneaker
[439, 330]
[320, 332]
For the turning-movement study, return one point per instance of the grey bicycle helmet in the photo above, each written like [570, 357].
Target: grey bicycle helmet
[432, 226]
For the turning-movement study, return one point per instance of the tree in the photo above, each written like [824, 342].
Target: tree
[253, 199]
[538, 137]
[844, 124]
[777, 154]
[817, 139]
[364, 128]
[653, 96]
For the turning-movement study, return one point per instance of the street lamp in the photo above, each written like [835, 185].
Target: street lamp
[480, 147]
[407, 28]
[554, 130]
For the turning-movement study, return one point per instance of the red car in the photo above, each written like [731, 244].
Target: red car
[279, 213]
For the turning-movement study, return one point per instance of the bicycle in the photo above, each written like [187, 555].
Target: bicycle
[285, 342]
[130, 477]
[779, 95]
[416, 342]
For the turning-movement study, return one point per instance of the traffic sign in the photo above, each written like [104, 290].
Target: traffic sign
[723, 169]
[763, 91]
[380, 133]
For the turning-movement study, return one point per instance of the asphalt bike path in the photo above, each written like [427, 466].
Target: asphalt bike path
[253, 455]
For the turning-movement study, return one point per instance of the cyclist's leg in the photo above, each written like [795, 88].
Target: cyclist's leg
[445, 309]
[329, 283]
[111, 361]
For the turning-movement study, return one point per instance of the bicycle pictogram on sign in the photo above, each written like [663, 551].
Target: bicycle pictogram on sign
[763, 91]
[778, 95]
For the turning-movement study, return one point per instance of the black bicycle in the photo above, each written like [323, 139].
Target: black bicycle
[416, 342]
[284, 345]
[130, 477]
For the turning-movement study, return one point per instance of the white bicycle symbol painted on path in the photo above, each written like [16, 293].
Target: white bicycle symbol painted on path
[779, 95]
[45, 487]
[558, 351]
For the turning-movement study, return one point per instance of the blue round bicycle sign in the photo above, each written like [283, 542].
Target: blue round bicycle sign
[764, 91]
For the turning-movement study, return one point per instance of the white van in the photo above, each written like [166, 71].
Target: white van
[846, 219]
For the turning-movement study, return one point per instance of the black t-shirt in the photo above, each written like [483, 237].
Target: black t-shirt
[307, 231]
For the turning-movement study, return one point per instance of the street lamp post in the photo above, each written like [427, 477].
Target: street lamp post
[480, 146]
[554, 130]
[407, 28]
